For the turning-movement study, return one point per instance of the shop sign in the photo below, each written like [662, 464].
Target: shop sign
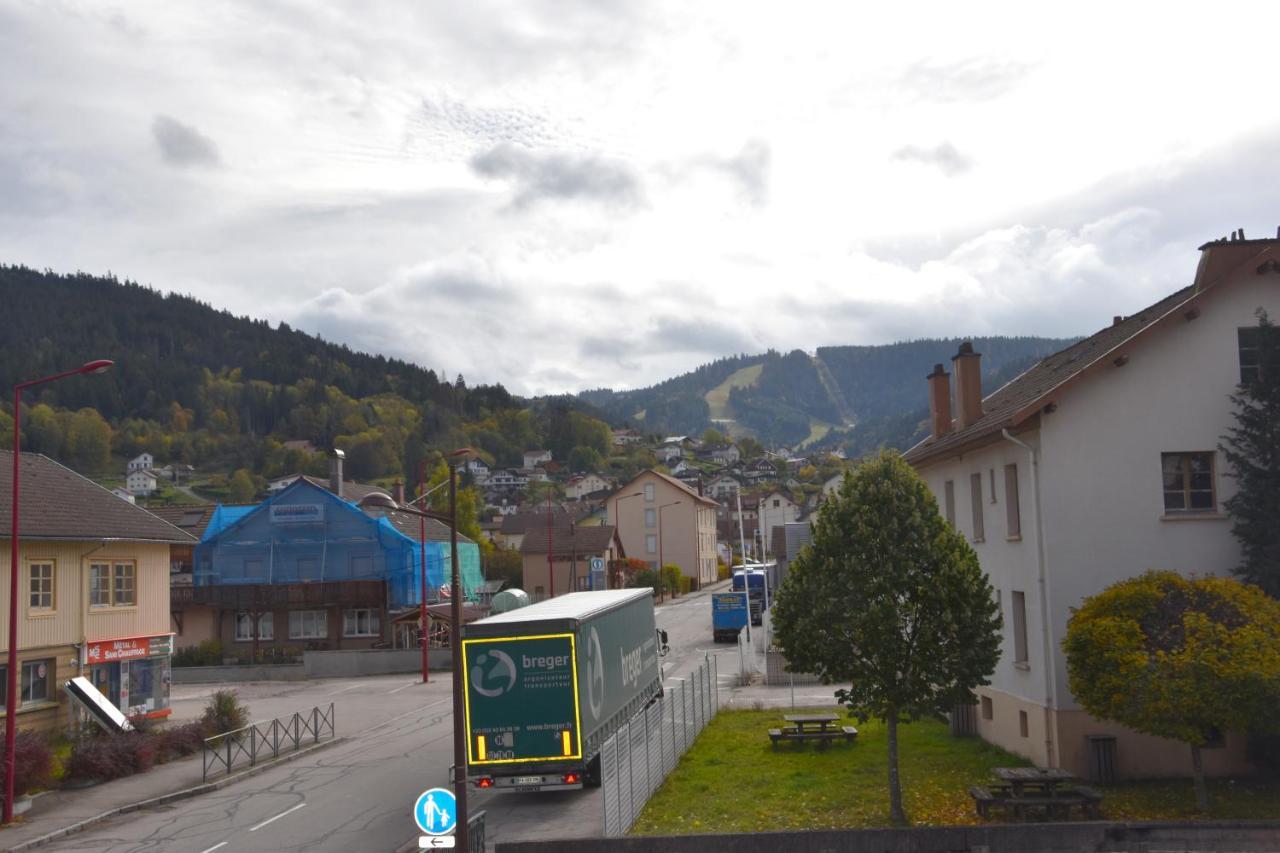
[297, 513]
[109, 651]
[161, 645]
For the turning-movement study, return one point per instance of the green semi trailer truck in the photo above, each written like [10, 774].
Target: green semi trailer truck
[547, 684]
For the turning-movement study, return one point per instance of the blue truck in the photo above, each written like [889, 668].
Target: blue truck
[754, 579]
[728, 616]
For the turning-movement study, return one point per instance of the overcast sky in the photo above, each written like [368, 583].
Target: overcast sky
[559, 195]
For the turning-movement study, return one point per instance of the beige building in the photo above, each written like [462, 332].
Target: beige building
[573, 550]
[94, 586]
[661, 520]
[1095, 465]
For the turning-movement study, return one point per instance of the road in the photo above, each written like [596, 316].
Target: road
[358, 795]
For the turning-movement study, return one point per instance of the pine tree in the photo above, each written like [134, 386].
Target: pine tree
[1252, 448]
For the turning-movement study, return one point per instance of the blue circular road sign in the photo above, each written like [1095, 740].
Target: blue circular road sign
[436, 811]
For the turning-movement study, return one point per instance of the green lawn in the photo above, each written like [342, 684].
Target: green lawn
[734, 780]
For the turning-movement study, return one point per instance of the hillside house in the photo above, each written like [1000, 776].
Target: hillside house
[572, 549]
[585, 484]
[141, 462]
[534, 458]
[141, 483]
[1095, 465]
[723, 487]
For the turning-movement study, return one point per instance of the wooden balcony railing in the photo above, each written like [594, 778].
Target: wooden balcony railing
[265, 596]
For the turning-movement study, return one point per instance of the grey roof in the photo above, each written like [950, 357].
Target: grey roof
[1002, 409]
[58, 503]
[192, 518]
[520, 522]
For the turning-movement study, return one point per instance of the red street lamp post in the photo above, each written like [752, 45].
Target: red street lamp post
[422, 546]
[661, 563]
[11, 697]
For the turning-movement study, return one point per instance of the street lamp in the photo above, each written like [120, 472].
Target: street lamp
[661, 563]
[100, 365]
[618, 514]
[380, 499]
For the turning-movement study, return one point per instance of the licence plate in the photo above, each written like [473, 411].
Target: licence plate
[528, 780]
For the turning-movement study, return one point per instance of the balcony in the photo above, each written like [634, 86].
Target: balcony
[290, 596]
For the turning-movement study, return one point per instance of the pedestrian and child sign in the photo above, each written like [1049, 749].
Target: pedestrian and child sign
[436, 813]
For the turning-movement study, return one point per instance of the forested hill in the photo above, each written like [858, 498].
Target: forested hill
[855, 397]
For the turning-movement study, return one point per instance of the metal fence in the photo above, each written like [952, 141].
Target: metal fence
[635, 760]
[244, 747]
[475, 832]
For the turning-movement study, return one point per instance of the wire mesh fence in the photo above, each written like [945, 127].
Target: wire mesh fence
[635, 760]
[246, 746]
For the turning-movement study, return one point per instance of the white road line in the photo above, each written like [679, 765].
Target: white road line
[343, 690]
[403, 687]
[277, 817]
[215, 847]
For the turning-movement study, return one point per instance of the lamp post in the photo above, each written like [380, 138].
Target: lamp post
[422, 579]
[618, 514]
[661, 562]
[11, 697]
[379, 499]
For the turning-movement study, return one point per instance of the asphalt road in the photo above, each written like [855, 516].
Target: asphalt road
[358, 795]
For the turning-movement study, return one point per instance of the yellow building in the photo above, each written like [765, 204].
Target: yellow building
[94, 593]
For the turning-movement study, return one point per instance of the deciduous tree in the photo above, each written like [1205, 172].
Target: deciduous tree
[1180, 658]
[890, 598]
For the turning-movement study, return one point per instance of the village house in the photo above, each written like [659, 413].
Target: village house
[661, 520]
[775, 510]
[534, 458]
[141, 462]
[141, 483]
[585, 484]
[572, 550]
[724, 487]
[94, 586]
[1095, 465]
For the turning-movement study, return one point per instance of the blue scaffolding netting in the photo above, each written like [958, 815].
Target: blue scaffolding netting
[306, 534]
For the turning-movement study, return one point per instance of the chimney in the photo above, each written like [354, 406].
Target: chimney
[335, 472]
[968, 385]
[397, 491]
[940, 401]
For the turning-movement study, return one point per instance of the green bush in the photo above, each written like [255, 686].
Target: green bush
[722, 570]
[686, 585]
[224, 713]
[671, 579]
[208, 653]
[645, 577]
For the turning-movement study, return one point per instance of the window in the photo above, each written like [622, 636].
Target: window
[244, 626]
[776, 503]
[650, 518]
[113, 584]
[648, 492]
[949, 502]
[36, 683]
[308, 625]
[1188, 482]
[975, 494]
[360, 623]
[991, 476]
[40, 578]
[1024, 726]
[1250, 362]
[1018, 602]
[650, 544]
[1012, 511]
[988, 712]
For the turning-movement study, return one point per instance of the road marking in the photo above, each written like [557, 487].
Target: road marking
[403, 687]
[277, 817]
[215, 847]
[385, 723]
[343, 690]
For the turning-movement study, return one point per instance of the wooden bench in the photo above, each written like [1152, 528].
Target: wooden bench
[823, 737]
[982, 799]
[1092, 798]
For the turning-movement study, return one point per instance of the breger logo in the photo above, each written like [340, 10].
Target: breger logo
[489, 668]
[595, 675]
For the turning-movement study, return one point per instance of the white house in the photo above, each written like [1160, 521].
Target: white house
[141, 483]
[1095, 465]
[579, 487]
[123, 494]
[532, 458]
[727, 455]
[141, 462]
[478, 468]
[776, 509]
[723, 487]
[668, 452]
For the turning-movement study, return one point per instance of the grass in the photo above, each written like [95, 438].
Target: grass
[734, 780]
[718, 397]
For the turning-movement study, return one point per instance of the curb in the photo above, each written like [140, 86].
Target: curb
[174, 796]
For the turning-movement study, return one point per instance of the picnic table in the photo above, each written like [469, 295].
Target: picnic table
[1032, 791]
[823, 728]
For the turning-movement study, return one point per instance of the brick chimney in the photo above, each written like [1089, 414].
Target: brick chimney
[940, 401]
[1219, 257]
[335, 471]
[968, 385]
[397, 491]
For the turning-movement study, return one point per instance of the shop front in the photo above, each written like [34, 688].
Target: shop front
[133, 672]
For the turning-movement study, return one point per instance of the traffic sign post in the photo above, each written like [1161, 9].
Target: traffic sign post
[436, 813]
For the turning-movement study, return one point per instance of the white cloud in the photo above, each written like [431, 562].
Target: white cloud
[563, 195]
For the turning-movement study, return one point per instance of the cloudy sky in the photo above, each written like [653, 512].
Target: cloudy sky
[560, 195]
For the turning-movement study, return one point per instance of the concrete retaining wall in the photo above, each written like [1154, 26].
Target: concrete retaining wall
[1092, 837]
[776, 672]
[339, 664]
[256, 672]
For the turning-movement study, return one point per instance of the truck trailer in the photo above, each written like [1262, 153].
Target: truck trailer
[728, 616]
[547, 684]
